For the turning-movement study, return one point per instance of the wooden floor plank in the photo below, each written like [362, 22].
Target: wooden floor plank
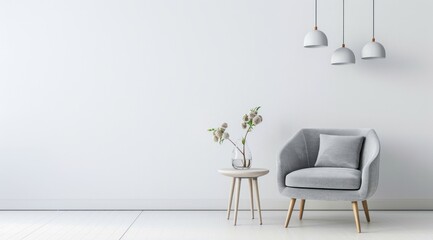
[72, 225]
[209, 225]
[19, 224]
[324, 225]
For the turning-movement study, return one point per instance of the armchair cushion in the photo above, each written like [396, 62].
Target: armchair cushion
[339, 151]
[325, 178]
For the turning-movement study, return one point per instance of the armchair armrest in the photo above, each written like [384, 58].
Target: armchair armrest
[292, 157]
[370, 159]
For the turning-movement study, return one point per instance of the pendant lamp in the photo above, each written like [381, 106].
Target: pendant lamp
[315, 38]
[373, 49]
[343, 55]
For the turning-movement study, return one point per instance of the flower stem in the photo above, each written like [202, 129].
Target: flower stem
[244, 142]
[236, 146]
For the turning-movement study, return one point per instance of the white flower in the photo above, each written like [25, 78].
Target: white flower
[252, 115]
[219, 133]
[224, 125]
[257, 119]
[215, 138]
[244, 125]
[226, 135]
[245, 118]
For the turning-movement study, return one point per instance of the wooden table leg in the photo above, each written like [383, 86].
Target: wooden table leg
[238, 189]
[256, 185]
[229, 207]
[251, 197]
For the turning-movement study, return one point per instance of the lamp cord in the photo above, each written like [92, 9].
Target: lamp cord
[315, 14]
[373, 22]
[343, 24]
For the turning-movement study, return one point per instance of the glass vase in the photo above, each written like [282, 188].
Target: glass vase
[241, 156]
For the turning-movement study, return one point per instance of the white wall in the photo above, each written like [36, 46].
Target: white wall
[105, 104]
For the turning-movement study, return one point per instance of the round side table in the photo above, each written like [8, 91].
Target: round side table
[251, 174]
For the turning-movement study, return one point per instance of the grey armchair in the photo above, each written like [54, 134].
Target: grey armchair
[298, 157]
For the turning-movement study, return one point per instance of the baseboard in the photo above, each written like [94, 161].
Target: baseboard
[201, 204]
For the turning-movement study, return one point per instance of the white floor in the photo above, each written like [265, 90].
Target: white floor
[204, 225]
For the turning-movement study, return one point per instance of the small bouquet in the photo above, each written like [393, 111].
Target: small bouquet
[249, 121]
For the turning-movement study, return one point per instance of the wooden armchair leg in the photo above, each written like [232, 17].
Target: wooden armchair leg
[365, 207]
[289, 213]
[301, 209]
[356, 214]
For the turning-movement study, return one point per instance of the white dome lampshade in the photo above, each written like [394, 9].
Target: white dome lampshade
[343, 56]
[315, 38]
[373, 50]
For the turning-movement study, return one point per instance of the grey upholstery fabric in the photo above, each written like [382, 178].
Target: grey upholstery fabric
[301, 152]
[325, 178]
[339, 151]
